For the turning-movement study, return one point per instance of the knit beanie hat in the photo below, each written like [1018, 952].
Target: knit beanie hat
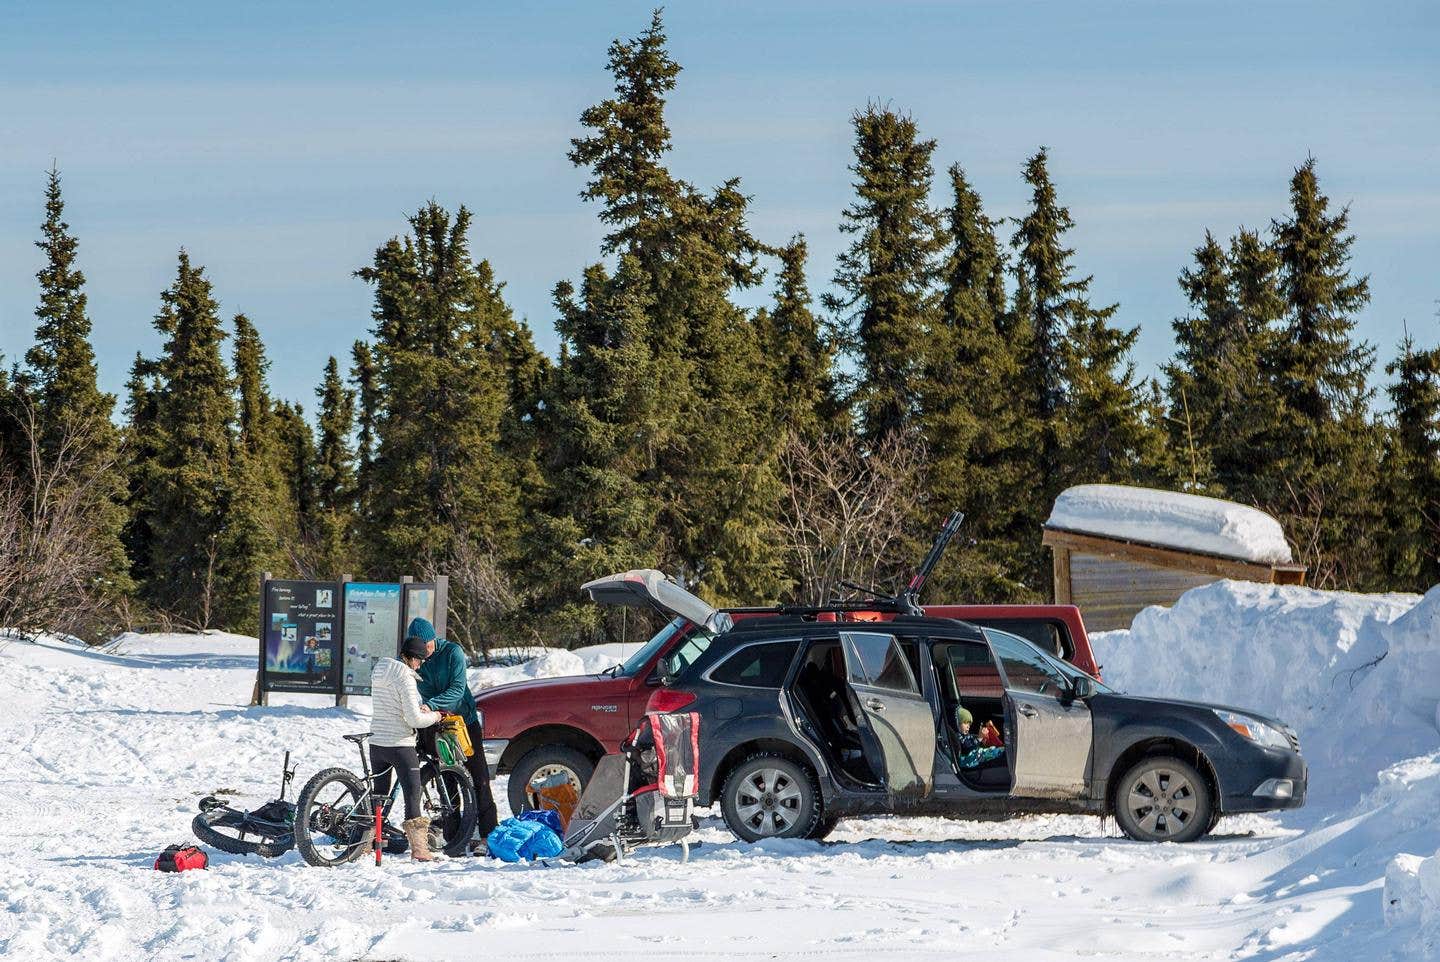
[963, 717]
[422, 629]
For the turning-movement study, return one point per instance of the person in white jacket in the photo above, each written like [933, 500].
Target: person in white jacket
[397, 713]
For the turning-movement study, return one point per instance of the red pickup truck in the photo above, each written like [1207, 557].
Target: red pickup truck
[536, 729]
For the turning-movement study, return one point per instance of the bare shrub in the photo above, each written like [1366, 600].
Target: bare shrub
[846, 509]
[481, 594]
[52, 569]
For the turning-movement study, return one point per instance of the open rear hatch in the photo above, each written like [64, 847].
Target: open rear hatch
[648, 588]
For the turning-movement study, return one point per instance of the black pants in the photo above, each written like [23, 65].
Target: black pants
[480, 774]
[406, 761]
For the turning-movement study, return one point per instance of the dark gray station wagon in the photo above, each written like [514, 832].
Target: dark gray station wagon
[809, 716]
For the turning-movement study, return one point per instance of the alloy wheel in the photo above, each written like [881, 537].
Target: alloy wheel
[1162, 802]
[768, 801]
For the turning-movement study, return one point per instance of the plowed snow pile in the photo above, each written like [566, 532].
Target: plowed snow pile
[103, 757]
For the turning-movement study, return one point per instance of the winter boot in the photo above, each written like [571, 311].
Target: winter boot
[417, 831]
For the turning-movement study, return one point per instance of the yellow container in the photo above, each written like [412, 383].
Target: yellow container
[454, 726]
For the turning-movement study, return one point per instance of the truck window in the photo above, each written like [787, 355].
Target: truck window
[1049, 636]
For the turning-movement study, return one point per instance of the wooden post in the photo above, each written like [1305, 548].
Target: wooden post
[1062, 576]
[337, 629]
[442, 602]
[260, 695]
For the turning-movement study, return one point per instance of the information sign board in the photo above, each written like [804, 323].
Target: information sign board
[301, 633]
[372, 631]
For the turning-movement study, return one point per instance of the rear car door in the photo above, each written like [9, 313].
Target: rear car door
[898, 714]
[1051, 737]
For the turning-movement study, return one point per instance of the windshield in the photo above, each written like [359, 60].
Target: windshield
[637, 662]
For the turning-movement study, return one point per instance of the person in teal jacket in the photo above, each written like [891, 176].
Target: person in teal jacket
[444, 686]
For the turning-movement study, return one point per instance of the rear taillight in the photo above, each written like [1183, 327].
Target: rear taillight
[666, 700]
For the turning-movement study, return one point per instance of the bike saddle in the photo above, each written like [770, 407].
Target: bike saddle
[357, 739]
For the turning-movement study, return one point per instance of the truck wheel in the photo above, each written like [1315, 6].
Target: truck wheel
[1163, 799]
[542, 762]
[769, 796]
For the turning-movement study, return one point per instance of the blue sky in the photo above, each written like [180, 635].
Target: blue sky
[281, 143]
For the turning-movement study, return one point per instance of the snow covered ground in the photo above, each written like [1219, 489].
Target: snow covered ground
[103, 756]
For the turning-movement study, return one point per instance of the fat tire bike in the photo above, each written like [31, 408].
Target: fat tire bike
[335, 814]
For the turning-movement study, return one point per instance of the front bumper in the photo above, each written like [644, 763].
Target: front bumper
[493, 748]
[1257, 784]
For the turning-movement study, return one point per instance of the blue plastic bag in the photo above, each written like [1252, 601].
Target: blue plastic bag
[545, 816]
[523, 838]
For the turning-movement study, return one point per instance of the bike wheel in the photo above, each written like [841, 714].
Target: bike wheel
[448, 799]
[332, 826]
[207, 828]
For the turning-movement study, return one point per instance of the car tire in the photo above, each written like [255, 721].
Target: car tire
[1164, 799]
[823, 827]
[769, 796]
[552, 757]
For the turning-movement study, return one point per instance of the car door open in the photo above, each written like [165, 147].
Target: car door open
[1051, 739]
[897, 713]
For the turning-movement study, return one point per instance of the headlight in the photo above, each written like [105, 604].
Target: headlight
[1254, 729]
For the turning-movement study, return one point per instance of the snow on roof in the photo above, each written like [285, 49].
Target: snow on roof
[1188, 522]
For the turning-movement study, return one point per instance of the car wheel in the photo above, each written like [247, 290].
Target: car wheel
[823, 827]
[770, 796]
[1164, 799]
[543, 762]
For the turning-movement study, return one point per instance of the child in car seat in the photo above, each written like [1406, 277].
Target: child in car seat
[976, 750]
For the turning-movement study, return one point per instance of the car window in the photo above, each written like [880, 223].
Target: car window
[1026, 667]
[973, 670]
[911, 650]
[757, 666]
[688, 651]
[1043, 633]
[874, 659]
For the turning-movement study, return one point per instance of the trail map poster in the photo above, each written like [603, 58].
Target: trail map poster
[372, 631]
[420, 603]
[301, 634]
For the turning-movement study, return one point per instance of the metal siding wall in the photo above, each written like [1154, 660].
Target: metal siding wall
[1111, 591]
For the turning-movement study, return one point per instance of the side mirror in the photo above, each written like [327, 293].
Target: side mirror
[667, 671]
[1081, 688]
[652, 680]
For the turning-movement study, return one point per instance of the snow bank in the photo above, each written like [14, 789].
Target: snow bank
[554, 663]
[1355, 674]
[1172, 519]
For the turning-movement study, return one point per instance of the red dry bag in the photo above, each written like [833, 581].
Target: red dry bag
[178, 858]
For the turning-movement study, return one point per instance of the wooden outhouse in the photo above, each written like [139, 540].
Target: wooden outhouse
[1119, 549]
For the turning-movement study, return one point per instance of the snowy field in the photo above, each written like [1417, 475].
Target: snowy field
[104, 756]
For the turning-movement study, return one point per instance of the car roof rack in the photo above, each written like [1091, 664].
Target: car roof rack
[907, 602]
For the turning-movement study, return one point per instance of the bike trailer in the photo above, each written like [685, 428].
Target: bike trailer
[180, 858]
[645, 795]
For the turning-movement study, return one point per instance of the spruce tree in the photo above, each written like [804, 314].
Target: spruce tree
[885, 277]
[1327, 445]
[795, 345]
[978, 438]
[688, 250]
[367, 409]
[334, 471]
[262, 528]
[69, 406]
[1411, 469]
[438, 471]
[1096, 422]
[185, 485]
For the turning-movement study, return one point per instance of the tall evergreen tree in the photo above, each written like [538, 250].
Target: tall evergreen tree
[1411, 469]
[334, 471]
[689, 250]
[184, 486]
[885, 277]
[793, 341]
[1096, 421]
[261, 527]
[61, 376]
[979, 439]
[440, 370]
[367, 408]
[1327, 445]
